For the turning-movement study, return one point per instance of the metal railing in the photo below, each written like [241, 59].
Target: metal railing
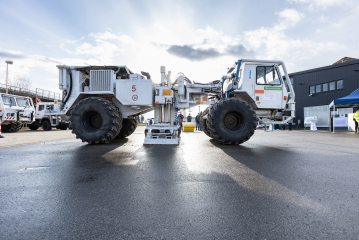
[38, 93]
[45, 94]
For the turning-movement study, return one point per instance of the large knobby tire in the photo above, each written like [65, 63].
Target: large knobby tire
[46, 125]
[96, 120]
[203, 122]
[128, 127]
[12, 127]
[34, 126]
[18, 126]
[6, 128]
[231, 121]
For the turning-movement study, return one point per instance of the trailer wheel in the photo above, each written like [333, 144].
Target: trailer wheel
[231, 121]
[203, 122]
[128, 127]
[96, 120]
[46, 125]
[34, 126]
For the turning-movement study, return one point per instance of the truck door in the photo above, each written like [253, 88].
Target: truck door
[39, 111]
[268, 87]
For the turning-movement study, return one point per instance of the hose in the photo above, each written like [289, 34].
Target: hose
[66, 96]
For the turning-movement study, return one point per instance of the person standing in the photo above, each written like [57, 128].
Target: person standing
[356, 120]
[189, 118]
[197, 122]
[180, 119]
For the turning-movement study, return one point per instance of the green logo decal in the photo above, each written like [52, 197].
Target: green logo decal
[273, 88]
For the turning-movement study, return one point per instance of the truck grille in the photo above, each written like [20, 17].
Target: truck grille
[101, 80]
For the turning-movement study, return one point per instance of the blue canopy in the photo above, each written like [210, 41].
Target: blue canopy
[352, 100]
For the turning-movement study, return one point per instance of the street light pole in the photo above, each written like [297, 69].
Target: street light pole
[7, 70]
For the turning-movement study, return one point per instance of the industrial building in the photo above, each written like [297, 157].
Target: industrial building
[316, 88]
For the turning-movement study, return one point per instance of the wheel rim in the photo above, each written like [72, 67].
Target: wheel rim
[92, 121]
[233, 121]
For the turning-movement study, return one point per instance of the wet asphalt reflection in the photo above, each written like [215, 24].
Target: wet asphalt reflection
[280, 185]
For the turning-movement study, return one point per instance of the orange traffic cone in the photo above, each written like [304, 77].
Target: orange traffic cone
[0, 131]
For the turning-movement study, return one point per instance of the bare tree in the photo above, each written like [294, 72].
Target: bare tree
[20, 81]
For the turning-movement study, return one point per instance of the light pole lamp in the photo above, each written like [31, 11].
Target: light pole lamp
[7, 70]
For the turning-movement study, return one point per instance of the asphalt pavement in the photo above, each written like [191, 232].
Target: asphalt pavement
[278, 185]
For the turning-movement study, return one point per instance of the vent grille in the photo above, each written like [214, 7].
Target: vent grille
[101, 80]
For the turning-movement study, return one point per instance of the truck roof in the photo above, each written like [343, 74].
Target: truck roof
[12, 95]
[120, 69]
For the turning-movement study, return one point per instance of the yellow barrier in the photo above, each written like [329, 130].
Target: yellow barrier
[188, 126]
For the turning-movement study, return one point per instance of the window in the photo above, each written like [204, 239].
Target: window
[325, 87]
[8, 101]
[332, 86]
[22, 102]
[340, 84]
[318, 88]
[41, 107]
[260, 75]
[312, 89]
[267, 75]
[50, 107]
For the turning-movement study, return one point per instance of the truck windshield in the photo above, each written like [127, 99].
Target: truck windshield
[267, 75]
[23, 102]
[10, 101]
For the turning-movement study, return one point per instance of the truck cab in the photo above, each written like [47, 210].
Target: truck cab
[15, 111]
[264, 85]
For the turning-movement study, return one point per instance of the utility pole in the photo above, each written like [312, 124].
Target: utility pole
[7, 71]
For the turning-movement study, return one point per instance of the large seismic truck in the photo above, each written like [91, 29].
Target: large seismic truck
[103, 102]
[15, 111]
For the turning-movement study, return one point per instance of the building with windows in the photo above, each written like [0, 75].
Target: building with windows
[316, 88]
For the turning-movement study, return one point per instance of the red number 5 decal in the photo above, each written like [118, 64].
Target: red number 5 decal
[133, 88]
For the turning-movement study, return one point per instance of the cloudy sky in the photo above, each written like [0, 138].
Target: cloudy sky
[200, 38]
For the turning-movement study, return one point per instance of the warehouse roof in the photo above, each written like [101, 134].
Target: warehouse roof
[327, 67]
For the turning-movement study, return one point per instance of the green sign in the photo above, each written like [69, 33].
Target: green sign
[273, 88]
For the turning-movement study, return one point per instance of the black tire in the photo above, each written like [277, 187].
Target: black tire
[128, 127]
[12, 127]
[18, 126]
[96, 120]
[203, 122]
[231, 121]
[46, 125]
[34, 126]
[6, 128]
[63, 127]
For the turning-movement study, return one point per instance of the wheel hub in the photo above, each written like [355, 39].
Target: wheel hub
[92, 121]
[232, 121]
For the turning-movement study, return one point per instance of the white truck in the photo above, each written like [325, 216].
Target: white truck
[15, 111]
[103, 102]
[48, 115]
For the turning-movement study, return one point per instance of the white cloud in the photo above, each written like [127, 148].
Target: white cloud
[288, 18]
[274, 43]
